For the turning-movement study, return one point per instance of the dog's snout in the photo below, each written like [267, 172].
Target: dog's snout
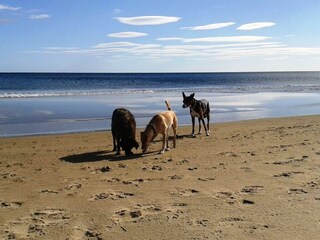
[184, 106]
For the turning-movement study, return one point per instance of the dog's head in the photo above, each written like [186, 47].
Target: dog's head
[127, 144]
[145, 144]
[187, 101]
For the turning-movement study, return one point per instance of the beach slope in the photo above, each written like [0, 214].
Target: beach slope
[257, 179]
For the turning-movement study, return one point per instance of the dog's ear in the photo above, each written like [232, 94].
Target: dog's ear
[183, 95]
[192, 95]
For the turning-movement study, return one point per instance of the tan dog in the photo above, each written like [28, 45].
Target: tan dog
[160, 123]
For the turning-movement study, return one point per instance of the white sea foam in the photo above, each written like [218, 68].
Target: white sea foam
[294, 88]
[69, 94]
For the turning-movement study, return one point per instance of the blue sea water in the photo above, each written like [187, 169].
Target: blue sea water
[42, 103]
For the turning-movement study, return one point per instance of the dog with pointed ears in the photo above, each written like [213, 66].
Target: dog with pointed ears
[160, 123]
[199, 109]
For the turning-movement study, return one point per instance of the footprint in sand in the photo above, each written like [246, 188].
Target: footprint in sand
[92, 235]
[37, 224]
[296, 191]
[251, 189]
[227, 196]
[185, 192]
[152, 168]
[112, 196]
[287, 174]
[229, 154]
[314, 184]
[47, 191]
[198, 223]
[206, 179]
[81, 232]
[102, 169]
[73, 186]
[142, 212]
[10, 205]
[175, 177]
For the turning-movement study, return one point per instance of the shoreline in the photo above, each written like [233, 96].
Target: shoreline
[142, 128]
[252, 179]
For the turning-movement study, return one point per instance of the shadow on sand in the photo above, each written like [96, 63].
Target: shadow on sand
[110, 155]
[98, 156]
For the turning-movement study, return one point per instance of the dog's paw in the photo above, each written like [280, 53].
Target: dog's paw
[161, 152]
[167, 149]
[208, 133]
[199, 133]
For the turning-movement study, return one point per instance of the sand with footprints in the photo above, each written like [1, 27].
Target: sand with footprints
[257, 179]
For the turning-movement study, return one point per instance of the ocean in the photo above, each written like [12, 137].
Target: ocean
[49, 103]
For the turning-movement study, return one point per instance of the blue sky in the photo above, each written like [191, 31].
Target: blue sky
[159, 36]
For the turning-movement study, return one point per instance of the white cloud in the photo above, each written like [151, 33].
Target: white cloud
[124, 44]
[148, 20]
[255, 25]
[170, 39]
[215, 49]
[127, 34]
[117, 11]
[218, 39]
[4, 7]
[210, 26]
[40, 16]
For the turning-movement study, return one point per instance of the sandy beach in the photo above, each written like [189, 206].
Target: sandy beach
[257, 179]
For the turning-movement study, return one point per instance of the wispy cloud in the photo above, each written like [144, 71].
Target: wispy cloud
[39, 16]
[127, 34]
[213, 50]
[210, 26]
[218, 39]
[148, 20]
[255, 25]
[117, 10]
[9, 8]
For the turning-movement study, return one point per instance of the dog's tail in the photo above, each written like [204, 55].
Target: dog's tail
[168, 105]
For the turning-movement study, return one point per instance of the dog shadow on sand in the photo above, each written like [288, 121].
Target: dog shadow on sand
[111, 155]
[98, 156]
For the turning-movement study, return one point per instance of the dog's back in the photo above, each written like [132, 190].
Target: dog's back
[123, 128]
[160, 123]
[123, 123]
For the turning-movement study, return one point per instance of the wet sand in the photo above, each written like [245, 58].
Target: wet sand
[257, 179]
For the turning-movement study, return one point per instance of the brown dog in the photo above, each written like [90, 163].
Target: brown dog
[123, 131]
[160, 123]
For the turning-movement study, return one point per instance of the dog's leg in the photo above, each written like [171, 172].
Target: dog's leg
[205, 127]
[174, 127]
[199, 126]
[114, 144]
[163, 142]
[167, 141]
[208, 125]
[118, 146]
[193, 120]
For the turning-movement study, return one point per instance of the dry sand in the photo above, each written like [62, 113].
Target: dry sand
[255, 179]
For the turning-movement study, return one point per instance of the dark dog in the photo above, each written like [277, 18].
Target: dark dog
[123, 131]
[199, 109]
